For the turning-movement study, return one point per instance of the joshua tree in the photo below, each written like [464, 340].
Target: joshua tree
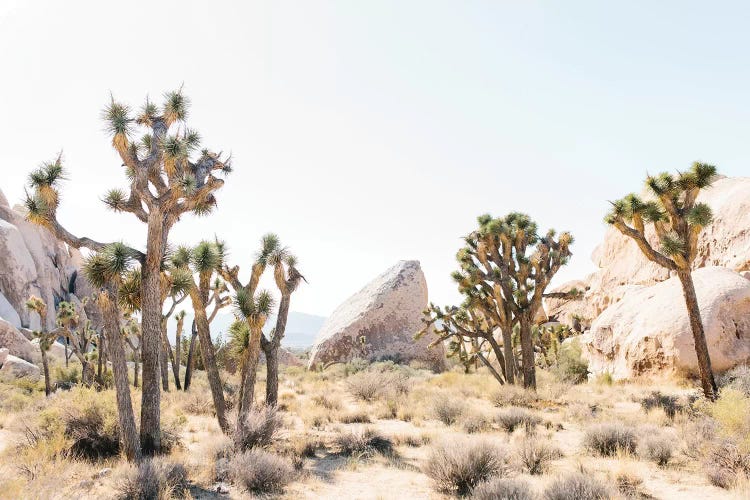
[106, 270]
[79, 335]
[505, 268]
[131, 332]
[204, 260]
[677, 220]
[45, 338]
[180, 318]
[287, 279]
[164, 184]
[254, 311]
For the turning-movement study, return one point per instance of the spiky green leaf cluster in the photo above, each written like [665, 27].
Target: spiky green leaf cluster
[176, 106]
[109, 264]
[207, 256]
[117, 119]
[116, 199]
[249, 307]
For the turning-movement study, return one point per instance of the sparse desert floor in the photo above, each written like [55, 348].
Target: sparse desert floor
[357, 431]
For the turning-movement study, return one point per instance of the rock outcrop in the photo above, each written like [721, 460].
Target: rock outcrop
[649, 331]
[34, 262]
[379, 322]
[15, 342]
[623, 269]
[14, 368]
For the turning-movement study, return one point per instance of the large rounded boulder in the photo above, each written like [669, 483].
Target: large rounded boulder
[648, 331]
[379, 322]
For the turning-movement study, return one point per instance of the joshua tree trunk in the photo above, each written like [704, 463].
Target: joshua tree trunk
[510, 365]
[163, 368]
[527, 351]
[128, 432]
[45, 365]
[191, 356]
[272, 373]
[100, 360]
[209, 358]
[248, 386]
[699, 337]
[135, 369]
[87, 373]
[151, 336]
[178, 358]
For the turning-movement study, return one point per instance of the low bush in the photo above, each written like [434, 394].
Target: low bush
[535, 455]
[448, 409]
[570, 366]
[514, 417]
[93, 431]
[609, 439]
[260, 472]
[628, 483]
[474, 423]
[577, 486]
[355, 417]
[458, 466]
[513, 395]
[503, 489]
[737, 378]
[669, 403]
[261, 426]
[363, 443]
[658, 448]
[153, 479]
[727, 464]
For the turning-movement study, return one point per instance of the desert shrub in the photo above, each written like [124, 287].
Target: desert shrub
[669, 403]
[628, 483]
[366, 386]
[65, 378]
[92, 430]
[457, 466]
[698, 436]
[658, 448]
[363, 443]
[732, 414]
[737, 378]
[514, 417]
[570, 366]
[727, 464]
[412, 440]
[535, 455]
[305, 446]
[608, 439]
[260, 472]
[448, 409]
[503, 489]
[577, 486]
[153, 479]
[474, 423]
[197, 403]
[513, 395]
[355, 417]
[261, 426]
[327, 402]
[605, 378]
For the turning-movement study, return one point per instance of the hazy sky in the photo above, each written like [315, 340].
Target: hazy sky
[365, 132]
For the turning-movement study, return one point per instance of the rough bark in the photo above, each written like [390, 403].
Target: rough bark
[708, 382]
[45, 366]
[248, 387]
[151, 336]
[527, 352]
[163, 368]
[272, 374]
[178, 359]
[111, 317]
[208, 356]
[190, 364]
[510, 365]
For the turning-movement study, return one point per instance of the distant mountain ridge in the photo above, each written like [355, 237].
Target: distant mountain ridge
[301, 328]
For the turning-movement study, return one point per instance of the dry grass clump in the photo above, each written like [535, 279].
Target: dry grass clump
[513, 395]
[732, 414]
[503, 489]
[535, 455]
[737, 378]
[514, 417]
[628, 483]
[458, 466]
[658, 448]
[363, 443]
[261, 426]
[380, 380]
[727, 465]
[197, 403]
[355, 417]
[366, 386]
[474, 423]
[669, 403]
[412, 440]
[327, 402]
[153, 479]
[448, 409]
[577, 486]
[260, 472]
[93, 431]
[609, 439]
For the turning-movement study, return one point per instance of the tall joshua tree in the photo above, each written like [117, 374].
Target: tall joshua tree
[204, 260]
[167, 179]
[80, 337]
[180, 318]
[217, 299]
[106, 270]
[677, 220]
[287, 278]
[45, 338]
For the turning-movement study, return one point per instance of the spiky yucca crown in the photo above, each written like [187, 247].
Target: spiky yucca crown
[671, 208]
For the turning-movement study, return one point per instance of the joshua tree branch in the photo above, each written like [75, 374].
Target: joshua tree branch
[644, 245]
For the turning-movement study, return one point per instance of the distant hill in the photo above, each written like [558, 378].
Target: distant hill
[301, 328]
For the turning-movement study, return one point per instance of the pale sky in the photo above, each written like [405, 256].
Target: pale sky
[366, 132]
